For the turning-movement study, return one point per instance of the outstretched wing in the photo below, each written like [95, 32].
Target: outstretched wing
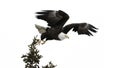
[40, 29]
[53, 18]
[80, 28]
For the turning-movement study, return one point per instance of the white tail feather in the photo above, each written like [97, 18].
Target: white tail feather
[41, 29]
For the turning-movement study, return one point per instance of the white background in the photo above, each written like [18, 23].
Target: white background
[17, 19]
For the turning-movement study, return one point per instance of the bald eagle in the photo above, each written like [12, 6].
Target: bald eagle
[56, 29]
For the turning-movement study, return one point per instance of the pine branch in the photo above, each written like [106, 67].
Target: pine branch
[50, 65]
[32, 58]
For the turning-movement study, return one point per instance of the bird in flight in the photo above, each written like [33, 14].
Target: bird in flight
[57, 30]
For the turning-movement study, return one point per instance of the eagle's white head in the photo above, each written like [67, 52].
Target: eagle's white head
[62, 36]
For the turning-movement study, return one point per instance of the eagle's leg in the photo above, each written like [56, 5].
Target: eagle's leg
[43, 42]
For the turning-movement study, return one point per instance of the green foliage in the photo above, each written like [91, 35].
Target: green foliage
[32, 58]
[50, 65]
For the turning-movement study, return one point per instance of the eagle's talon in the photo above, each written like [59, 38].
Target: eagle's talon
[43, 42]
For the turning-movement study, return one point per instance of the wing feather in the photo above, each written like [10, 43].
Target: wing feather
[80, 28]
[53, 17]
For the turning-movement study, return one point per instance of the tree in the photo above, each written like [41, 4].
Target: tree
[32, 58]
[50, 65]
